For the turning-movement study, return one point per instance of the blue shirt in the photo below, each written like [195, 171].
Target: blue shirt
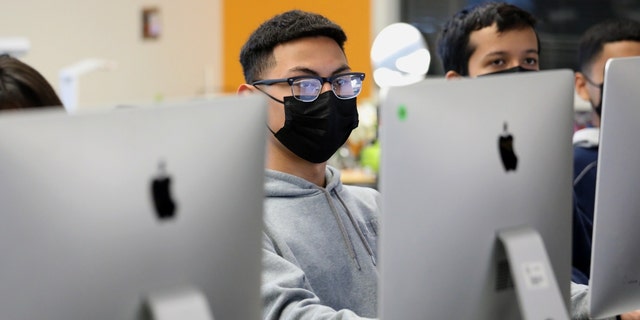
[584, 189]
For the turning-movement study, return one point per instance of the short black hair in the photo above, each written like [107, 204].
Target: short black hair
[257, 53]
[612, 30]
[453, 42]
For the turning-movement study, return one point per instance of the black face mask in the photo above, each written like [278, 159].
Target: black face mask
[315, 130]
[510, 70]
[598, 107]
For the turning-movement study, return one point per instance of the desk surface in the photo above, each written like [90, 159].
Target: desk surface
[358, 177]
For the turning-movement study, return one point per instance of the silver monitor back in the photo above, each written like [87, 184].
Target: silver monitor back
[80, 235]
[446, 193]
[615, 267]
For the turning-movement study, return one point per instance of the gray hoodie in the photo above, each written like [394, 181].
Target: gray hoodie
[319, 249]
[580, 302]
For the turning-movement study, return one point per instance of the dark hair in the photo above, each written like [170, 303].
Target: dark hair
[453, 43]
[257, 53]
[21, 86]
[593, 40]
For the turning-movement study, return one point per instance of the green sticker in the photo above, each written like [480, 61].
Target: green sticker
[402, 112]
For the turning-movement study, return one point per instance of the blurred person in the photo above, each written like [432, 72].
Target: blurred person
[495, 38]
[21, 86]
[613, 38]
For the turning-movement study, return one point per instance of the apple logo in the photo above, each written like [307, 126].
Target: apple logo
[507, 154]
[161, 192]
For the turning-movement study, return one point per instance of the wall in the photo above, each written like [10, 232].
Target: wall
[174, 66]
[189, 50]
[353, 16]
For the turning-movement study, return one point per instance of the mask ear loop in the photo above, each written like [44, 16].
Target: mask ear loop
[268, 95]
[267, 125]
[273, 98]
[598, 108]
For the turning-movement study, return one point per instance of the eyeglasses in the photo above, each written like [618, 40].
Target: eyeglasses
[591, 82]
[307, 88]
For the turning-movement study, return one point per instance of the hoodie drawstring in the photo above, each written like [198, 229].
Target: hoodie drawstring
[345, 235]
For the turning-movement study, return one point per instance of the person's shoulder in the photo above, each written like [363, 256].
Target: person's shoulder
[366, 196]
[361, 191]
[584, 155]
[586, 138]
[585, 146]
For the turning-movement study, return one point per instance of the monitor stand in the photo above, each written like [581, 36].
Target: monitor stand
[535, 283]
[185, 303]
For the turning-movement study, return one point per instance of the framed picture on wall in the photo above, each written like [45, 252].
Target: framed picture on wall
[151, 23]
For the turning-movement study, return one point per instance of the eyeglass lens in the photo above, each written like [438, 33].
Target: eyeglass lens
[344, 87]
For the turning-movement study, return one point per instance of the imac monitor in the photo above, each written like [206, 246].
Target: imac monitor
[476, 198]
[135, 213]
[615, 267]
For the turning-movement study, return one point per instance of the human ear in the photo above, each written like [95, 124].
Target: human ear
[244, 89]
[452, 75]
[581, 86]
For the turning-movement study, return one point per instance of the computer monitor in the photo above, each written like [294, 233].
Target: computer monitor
[148, 212]
[615, 267]
[476, 198]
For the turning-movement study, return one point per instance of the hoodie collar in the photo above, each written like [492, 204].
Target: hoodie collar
[587, 137]
[283, 184]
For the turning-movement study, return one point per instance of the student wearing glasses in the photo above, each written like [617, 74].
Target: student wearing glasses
[319, 245]
[613, 38]
[497, 37]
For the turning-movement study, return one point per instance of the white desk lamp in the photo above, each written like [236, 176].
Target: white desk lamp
[14, 46]
[70, 75]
